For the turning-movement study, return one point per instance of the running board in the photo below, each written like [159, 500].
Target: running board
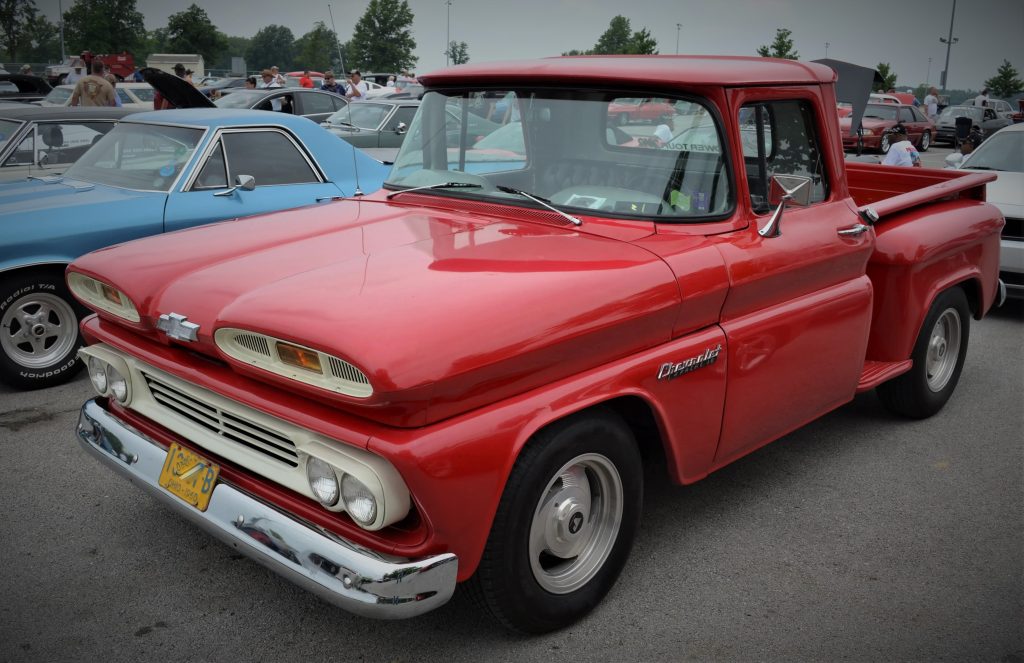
[877, 372]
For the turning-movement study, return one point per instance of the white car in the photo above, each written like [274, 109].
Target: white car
[137, 96]
[1003, 152]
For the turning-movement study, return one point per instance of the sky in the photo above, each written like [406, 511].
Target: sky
[904, 33]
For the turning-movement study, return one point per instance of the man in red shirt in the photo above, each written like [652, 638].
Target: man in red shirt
[306, 81]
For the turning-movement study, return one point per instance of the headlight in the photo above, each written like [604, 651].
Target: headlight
[359, 501]
[98, 375]
[102, 296]
[118, 385]
[868, 132]
[323, 481]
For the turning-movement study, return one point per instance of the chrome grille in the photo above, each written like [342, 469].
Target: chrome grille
[252, 435]
[254, 343]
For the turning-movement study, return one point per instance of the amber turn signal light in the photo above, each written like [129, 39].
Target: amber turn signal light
[294, 355]
[111, 294]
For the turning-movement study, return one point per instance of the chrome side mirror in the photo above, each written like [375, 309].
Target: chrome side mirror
[795, 189]
[401, 128]
[243, 182]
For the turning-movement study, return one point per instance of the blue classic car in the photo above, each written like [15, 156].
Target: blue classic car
[153, 172]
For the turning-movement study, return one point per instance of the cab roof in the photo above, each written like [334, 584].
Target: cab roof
[722, 70]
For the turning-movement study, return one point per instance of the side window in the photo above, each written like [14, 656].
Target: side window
[337, 101]
[268, 156]
[906, 115]
[403, 115]
[790, 147]
[214, 174]
[123, 96]
[24, 154]
[58, 143]
[316, 103]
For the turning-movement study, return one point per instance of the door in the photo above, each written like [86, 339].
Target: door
[389, 134]
[285, 176]
[914, 128]
[317, 106]
[797, 314]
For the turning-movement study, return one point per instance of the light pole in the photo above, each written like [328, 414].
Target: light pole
[948, 41]
[337, 42]
[448, 41]
[927, 77]
[679, 27]
[826, 50]
[60, 10]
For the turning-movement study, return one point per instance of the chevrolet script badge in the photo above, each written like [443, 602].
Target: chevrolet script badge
[178, 327]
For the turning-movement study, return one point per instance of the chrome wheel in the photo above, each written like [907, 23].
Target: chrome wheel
[943, 350]
[926, 141]
[576, 523]
[38, 330]
[883, 144]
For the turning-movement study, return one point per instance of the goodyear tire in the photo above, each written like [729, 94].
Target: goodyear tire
[938, 360]
[39, 336]
[564, 526]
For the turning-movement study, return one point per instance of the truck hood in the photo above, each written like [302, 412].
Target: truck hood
[176, 90]
[443, 311]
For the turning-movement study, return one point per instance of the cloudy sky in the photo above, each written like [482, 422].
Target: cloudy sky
[904, 33]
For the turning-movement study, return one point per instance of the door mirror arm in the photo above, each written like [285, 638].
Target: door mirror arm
[243, 182]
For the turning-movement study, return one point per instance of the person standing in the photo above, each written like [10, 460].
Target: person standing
[901, 151]
[75, 74]
[982, 99]
[159, 102]
[112, 79]
[269, 82]
[278, 78]
[357, 88]
[331, 85]
[931, 104]
[93, 90]
[250, 83]
[305, 80]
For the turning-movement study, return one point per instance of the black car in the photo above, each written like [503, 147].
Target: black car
[22, 87]
[46, 140]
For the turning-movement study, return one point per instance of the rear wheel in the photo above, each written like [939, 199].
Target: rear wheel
[883, 144]
[926, 141]
[938, 360]
[564, 526]
[39, 337]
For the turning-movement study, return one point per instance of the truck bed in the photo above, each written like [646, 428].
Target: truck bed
[890, 189]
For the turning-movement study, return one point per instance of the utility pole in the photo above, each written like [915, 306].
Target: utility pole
[337, 42]
[448, 41]
[826, 50]
[927, 78]
[679, 27]
[60, 9]
[949, 45]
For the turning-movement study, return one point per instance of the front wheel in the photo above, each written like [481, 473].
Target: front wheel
[39, 336]
[564, 526]
[883, 144]
[926, 141]
[938, 360]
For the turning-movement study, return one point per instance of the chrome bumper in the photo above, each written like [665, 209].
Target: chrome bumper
[349, 576]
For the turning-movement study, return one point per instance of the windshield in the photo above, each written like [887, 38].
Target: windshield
[142, 93]
[585, 151]
[146, 157]
[58, 96]
[365, 115]
[1003, 151]
[950, 112]
[880, 112]
[7, 129]
[240, 99]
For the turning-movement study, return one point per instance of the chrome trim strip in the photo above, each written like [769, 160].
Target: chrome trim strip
[1000, 293]
[349, 576]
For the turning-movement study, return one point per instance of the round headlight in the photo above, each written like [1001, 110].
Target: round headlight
[359, 501]
[118, 384]
[322, 481]
[98, 375]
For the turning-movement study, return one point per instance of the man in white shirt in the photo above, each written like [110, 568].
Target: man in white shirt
[268, 81]
[901, 151]
[931, 104]
[982, 99]
[280, 80]
[75, 74]
[356, 89]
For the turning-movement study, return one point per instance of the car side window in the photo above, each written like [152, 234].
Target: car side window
[57, 143]
[269, 156]
[404, 114]
[789, 145]
[214, 172]
[906, 115]
[313, 102]
[918, 115]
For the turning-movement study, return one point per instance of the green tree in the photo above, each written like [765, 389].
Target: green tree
[616, 39]
[317, 49]
[1005, 83]
[103, 26]
[577, 51]
[642, 43]
[235, 47]
[191, 31]
[382, 40]
[458, 52]
[782, 47]
[40, 41]
[888, 77]
[274, 44]
[15, 18]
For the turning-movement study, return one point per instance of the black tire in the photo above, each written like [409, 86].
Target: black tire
[536, 592]
[39, 335]
[926, 141]
[938, 360]
[883, 144]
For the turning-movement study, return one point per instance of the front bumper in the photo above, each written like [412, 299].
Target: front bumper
[353, 578]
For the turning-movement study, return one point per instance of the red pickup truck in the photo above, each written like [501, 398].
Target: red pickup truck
[460, 377]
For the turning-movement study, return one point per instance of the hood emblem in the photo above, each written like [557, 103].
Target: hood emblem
[670, 370]
[178, 327]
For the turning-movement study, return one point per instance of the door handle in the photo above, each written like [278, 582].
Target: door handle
[853, 230]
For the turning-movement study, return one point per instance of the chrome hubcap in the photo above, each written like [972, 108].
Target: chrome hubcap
[943, 350]
[38, 330]
[575, 523]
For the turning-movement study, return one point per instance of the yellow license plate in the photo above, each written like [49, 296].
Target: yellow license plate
[189, 476]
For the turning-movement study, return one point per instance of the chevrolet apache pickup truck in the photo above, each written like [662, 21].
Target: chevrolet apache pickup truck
[459, 378]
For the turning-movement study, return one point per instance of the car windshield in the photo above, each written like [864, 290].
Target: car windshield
[241, 99]
[141, 93]
[1003, 151]
[584, 151]
[366, 115]
[58, 96]
[881, 112]
[949, 112]
[145, 157]
[7, 129]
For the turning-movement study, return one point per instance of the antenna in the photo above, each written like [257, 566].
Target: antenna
[337, 40]
[355, 169]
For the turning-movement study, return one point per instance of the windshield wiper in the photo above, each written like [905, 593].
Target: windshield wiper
[442, 185]
[983, 168]
[541, 201]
